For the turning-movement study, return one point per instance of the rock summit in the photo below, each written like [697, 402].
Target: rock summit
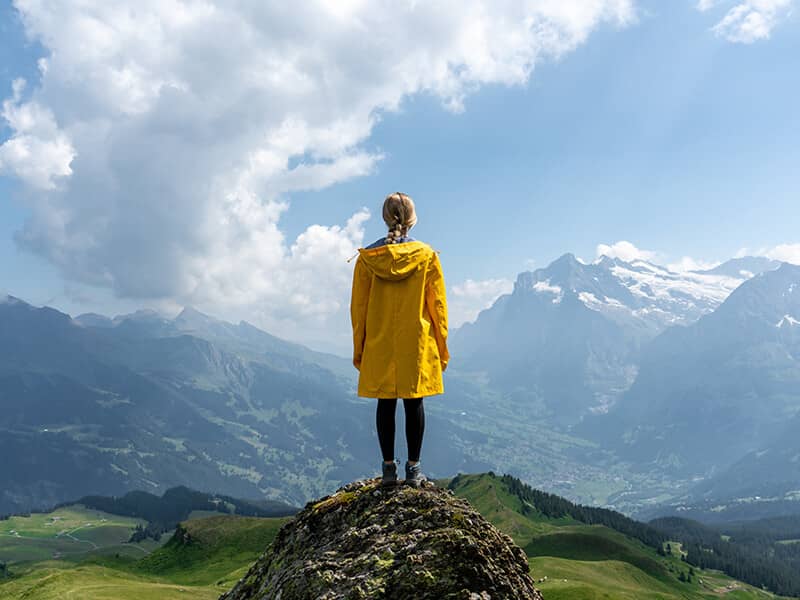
[366, 541]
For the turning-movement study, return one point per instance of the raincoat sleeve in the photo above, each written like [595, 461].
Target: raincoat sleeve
[359, 299]
[436, 300]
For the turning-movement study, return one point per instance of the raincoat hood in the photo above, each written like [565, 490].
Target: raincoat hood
[394, 262]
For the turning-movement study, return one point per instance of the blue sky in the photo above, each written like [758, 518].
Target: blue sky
[661, 134]
[658, 130]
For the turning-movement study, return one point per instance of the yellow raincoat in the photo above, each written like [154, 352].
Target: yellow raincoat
[399, 315]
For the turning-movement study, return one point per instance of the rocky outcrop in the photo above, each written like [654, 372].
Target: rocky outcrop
[365, 541]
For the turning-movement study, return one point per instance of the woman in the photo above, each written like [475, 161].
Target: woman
[399, 315]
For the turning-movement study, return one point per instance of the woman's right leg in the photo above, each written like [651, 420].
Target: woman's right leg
[384, 419]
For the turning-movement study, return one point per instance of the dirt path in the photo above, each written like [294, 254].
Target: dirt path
[72, 537]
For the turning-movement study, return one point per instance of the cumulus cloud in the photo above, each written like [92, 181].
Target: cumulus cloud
[469, 298]
[165, 138]
[749, 20]
[37, 152]
[625, 251]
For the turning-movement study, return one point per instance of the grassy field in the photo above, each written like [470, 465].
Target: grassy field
[217, 547]
[207, 558]
[96, 582]
[70, 534]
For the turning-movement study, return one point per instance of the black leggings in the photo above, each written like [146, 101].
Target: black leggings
[415, 426]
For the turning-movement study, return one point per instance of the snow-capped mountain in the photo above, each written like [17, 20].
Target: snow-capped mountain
[727, 385]
[642, 292]
[568, 337]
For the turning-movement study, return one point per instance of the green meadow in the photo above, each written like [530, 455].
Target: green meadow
[574, 561]
[208, 557]
[70, 533]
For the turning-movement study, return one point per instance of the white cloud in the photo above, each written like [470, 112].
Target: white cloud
[469, 298]
[625, 251]
[783, 252]
[687, 263]
[749, 20]
[38, 152]
[704, 5]
[165, 139]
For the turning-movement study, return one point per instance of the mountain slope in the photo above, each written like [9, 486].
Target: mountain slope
[582, 558]
[770, 474]
[141, 404]
[709, 393]
[565, 343]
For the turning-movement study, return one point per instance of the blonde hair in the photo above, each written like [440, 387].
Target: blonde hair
[399, 215]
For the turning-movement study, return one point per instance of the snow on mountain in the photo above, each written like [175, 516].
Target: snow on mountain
[668, 298]
[639, 292]
[737, 368]
[547, 288]
[787, 320]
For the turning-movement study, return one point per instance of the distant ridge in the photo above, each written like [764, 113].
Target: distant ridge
[746, 266]
[176, 504]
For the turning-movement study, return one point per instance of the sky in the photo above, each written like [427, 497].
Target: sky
[233, 155]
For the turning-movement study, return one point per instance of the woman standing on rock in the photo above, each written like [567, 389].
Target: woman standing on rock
[399, 314]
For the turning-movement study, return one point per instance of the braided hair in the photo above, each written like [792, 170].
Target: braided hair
[399, 215]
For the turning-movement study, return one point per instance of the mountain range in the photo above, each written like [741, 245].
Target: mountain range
[690, 379]
[728, 385]
[568, 339]
[101, 406]
[615, 382]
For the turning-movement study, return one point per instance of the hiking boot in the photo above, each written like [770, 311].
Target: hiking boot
[389, 474]
[414, 476]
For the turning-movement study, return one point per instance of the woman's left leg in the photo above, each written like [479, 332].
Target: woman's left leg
[415, 427]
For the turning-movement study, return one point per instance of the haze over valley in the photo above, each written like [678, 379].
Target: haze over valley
[597, 381]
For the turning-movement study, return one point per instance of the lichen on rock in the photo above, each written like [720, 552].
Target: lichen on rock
[365, 541]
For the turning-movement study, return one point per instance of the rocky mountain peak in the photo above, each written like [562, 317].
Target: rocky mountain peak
[365, 541]
[190, 313]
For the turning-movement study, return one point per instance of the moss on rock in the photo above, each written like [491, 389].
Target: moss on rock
[370, 542]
